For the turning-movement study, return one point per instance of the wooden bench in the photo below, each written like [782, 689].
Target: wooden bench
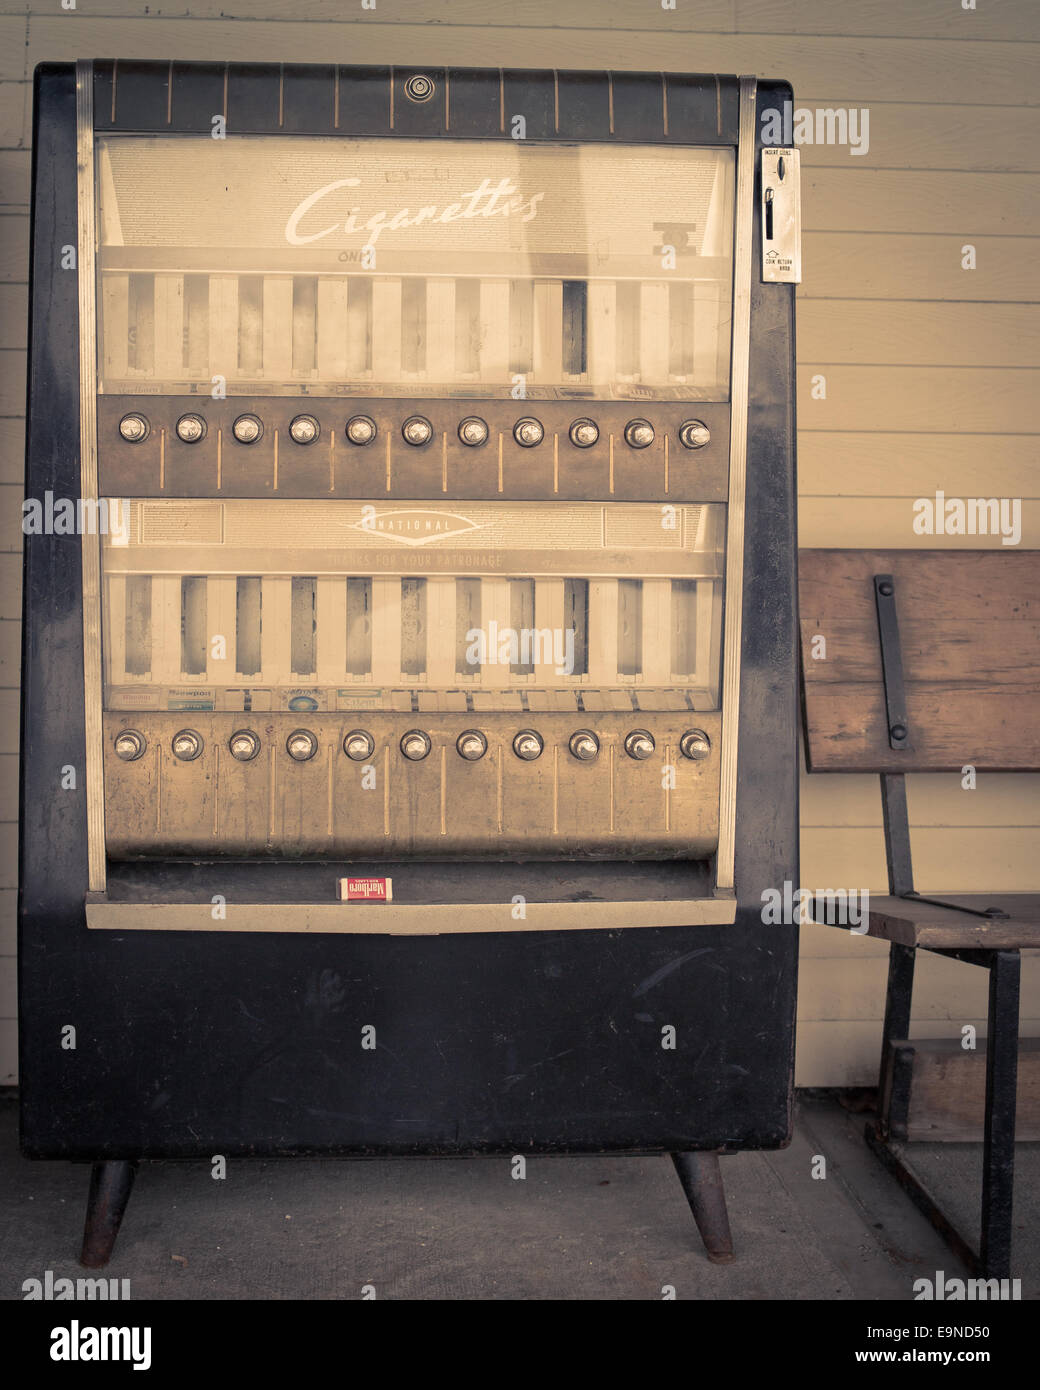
[930, 662]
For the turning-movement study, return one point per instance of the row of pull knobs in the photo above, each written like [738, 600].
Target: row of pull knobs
[416, 430]
[416, 744]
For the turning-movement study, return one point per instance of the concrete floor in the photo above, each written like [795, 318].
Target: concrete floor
[575, 1228]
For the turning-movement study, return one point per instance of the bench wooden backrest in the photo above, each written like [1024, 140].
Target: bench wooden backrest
[969, 628]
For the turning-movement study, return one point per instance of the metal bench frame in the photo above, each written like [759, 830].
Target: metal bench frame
[993, 1258]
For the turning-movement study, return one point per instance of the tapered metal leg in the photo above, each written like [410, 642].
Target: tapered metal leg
[702, 1182]
[110, 1185]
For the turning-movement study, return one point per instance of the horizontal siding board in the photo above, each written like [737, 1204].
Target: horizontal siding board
[967, 205]
[846, 1053]
[879, 69]
[843, 464]
[8, 852]
[14, 315]
[987, 400]
[10, 586]
[10, 652]
[887, 523]
[11, 517]
[9, 740]
[951, 859]
[13, 48]
[12, 450]
[15, 107]
[830, 990]
[849, 265]
[15, 187]
[933, 799]
[12, 382]
[918, 334]
[8, 926]
[913, 136]
[924, 19]
[8, 1052]
[14, 248]
[8, 790]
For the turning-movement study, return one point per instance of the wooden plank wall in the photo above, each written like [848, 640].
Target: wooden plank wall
[932, 371]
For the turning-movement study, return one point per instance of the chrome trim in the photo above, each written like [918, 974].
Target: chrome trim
[90, 544]
[734, 591]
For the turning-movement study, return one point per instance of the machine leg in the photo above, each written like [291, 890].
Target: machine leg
[110, 1184]
[702, 1182]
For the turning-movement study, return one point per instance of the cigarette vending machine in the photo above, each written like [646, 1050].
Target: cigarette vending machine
[409, 728]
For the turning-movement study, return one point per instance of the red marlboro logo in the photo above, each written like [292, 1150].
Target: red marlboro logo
[366, 890]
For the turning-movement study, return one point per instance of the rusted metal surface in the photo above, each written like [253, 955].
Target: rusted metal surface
[702, 1182]
[110, 1186]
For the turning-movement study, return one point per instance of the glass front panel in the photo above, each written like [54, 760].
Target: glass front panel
[412, 267]
[325, 605]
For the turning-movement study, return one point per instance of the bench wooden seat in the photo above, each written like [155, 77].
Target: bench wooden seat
[916, 922]
[929, 661]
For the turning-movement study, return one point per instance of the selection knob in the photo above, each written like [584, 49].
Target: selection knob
[359, 745]
[639, 434]
[694, 434]
[187, 745]
[301, 745]
[584, 745]
[528, 432]
[304, 429]
[361, 429]
[129, 745]
[417, 430]
[133, 428]
[247, 429]
[527, 745]
[695, 744]
[244, 745]
[639, 744]
[416, 745]
[584, 433]
[473, 431]
[190, 429]
[472, 745]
